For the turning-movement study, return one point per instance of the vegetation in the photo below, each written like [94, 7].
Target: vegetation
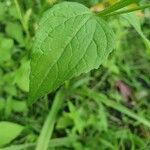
[88, 85]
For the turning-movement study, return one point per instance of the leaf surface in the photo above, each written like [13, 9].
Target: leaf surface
[70, 40]
[9, 131]
[22, 75]
[14, 30]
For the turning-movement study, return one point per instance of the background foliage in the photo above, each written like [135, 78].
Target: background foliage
[83, 123]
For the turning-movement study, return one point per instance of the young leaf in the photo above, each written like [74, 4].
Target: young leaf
[70, 40]
[9, 131]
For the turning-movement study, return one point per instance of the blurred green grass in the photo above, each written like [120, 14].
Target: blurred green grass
[84, 122]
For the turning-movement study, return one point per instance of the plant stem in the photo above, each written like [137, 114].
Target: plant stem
[116, 6]
[48, 126]
[129, 10]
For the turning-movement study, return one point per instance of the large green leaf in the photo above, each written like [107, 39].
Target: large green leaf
[70, 40]
[9, 131]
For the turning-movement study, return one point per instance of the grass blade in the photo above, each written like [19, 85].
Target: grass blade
[116, 6]
[58, 142]
[48, 126]
[110, 103]
[129, 10]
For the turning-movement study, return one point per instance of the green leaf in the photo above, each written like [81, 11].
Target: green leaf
[11, 104]
[6, 46]
[70, 40]
[14, 30]
[135, 22]
[13, 11]
[19, 106]
[64, 121]
[22, 75]
[9, 131]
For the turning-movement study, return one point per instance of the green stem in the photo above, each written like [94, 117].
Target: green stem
[48, 126]
[129, 10]
[116, 6]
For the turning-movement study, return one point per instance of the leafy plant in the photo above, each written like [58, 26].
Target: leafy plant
[71, 40]
[62, 50]
[104, 108]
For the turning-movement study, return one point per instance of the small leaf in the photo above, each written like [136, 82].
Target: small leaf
[22, 75]
[12, 11]
[70, 40]
[64, 121]
[14, 30]
[135, 22]
[9, 131]
[6, 46]
[19, 106]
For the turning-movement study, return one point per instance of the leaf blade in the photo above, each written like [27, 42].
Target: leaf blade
[68, 42]
[9, 131]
